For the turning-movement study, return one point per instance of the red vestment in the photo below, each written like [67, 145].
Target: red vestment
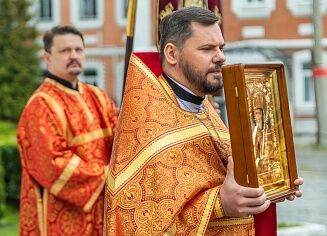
[65, 140]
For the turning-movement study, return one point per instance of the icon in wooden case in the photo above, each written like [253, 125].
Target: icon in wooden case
[260, 127]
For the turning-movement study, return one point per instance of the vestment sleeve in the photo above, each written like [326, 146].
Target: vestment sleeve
[53, 164]
[218, 211]
[207, 204]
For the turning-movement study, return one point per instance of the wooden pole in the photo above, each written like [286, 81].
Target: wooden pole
[131, 15]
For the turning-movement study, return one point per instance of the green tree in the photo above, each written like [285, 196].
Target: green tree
[19, 60]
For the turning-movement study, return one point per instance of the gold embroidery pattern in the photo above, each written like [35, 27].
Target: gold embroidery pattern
[65, 175]
[116, 180]
[167, 169]
[50, 124]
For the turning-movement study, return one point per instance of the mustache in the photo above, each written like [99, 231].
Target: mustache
[216, 68]
[72, 62]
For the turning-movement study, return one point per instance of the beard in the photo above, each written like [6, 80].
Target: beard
[74, 71]
[199, 79]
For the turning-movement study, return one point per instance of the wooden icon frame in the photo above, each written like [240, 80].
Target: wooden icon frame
[263, 151]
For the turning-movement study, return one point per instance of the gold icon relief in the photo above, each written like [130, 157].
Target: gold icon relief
[264, 152]
[267, 134]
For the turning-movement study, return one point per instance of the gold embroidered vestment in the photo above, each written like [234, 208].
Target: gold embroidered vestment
[167, 165]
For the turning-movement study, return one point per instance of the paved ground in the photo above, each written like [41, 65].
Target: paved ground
[312, 166]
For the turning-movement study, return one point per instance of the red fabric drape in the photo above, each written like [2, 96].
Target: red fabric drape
[265, 223]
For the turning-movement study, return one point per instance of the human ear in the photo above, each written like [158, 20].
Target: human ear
[46, 57]
[171, 53]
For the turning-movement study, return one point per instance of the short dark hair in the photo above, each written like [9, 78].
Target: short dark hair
[59, 30]
[176, 27]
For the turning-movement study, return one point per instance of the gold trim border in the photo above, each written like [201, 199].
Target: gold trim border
[54, 105]
[100, 96]
[45, 210]
[65, 175]
[207, 211]
[85, 108]
[231, 221]
[164, 141]
[88, 206]
[93, 135]
[40, 209]
[144, 68]
[57, 109]
[219, 210]
[65, 89]
[171, 231]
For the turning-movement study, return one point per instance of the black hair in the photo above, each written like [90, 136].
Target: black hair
[176, 27]
[59, 30]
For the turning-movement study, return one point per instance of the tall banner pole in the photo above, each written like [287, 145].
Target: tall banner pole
[319, 73]
[131, 15]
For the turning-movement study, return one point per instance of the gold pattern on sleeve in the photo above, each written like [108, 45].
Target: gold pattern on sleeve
[85, 108]
[208, 211]
[94, 197]
[45, 210]
[89, 137]
[65, 175]
[40, 208]
[57, 109]
[100, 96]
[219, 211]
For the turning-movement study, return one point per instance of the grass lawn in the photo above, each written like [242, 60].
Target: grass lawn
[9, 225]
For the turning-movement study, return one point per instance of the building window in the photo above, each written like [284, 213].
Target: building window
[87, 14]
[94, 74]
[121, 12]
[88, 9]
[125, 8]
[253, 9]
[45, 10]
[304, 7]
[90, 76]
[303, 83]
[308, 84]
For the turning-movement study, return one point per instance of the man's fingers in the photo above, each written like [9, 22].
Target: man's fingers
[257, 201]
[290, 198]
[258, 209]
[230, 169]
[299, 181]
[298, 193]
[251, 192]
